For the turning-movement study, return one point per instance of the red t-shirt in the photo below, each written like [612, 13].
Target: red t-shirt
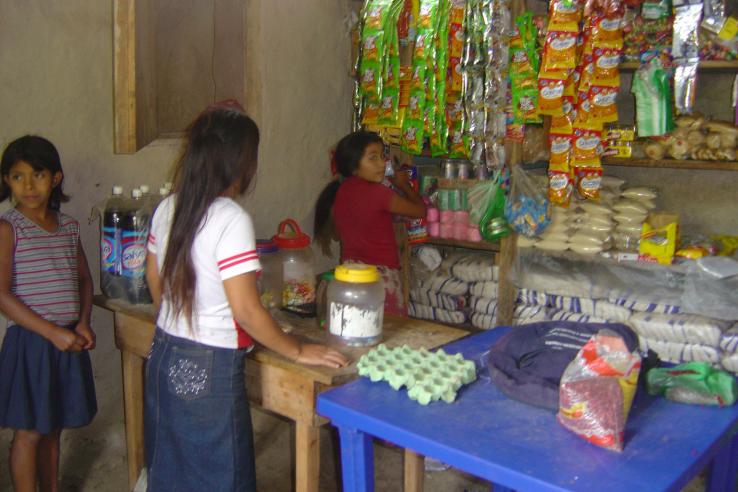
[364, 222]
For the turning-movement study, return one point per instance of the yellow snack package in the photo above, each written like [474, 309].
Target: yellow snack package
[560, 50]
[602, 104]
[551, 92]
[658, 238]
[559, 171]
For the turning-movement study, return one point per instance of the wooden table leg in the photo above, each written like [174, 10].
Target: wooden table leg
[133, 401]
[307, 457]
[414, 471]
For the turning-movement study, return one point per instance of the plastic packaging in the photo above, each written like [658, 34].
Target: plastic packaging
[270, 278]
[298, 270]
[652, 91]
[527, 210]
[356, 305]
[695, 382]
[597, 390]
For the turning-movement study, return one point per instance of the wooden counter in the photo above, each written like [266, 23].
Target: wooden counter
[273, 382]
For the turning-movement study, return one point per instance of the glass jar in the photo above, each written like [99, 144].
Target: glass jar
[298, 270]
[270, 278]
[321, 298]
[356, 305]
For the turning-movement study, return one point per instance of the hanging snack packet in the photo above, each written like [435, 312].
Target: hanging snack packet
[586, 147]
[560, 50]
[559, 173]
[551, 92]
[589, 181]
[373, 40]
[525, 105]
[602, 105]
[605, 69]
[564, 15]
[607, 32]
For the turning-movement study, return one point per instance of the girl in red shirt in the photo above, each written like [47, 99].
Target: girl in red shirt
[361, 209]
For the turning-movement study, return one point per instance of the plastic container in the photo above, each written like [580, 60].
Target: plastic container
[270, 279]
[135, 232]
[321, 297]
[356, 305]
[112, 283]
[298, 270]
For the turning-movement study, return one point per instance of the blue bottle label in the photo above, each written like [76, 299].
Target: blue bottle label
[133, 253]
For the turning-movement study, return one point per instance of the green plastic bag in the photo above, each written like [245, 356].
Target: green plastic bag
[693, 382]
[493, 225]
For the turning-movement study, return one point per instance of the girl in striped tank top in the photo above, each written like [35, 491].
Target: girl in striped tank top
[46, 380]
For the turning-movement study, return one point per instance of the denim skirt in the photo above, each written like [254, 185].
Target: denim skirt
[197, 422]
[41, 387]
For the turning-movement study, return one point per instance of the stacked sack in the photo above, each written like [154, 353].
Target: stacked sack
[630, 212]
[436, 293]
[729, 346]
[569, 308]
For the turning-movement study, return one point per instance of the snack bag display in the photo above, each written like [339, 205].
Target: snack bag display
[551, 92]
[597, 390]
[559, 52]
[559, 170]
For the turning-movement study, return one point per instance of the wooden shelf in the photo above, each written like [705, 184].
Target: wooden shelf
[454, 243]
[672, 164]
[704, 65]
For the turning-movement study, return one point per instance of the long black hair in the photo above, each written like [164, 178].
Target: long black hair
[41, 155]
[220, 156]
[349, 151]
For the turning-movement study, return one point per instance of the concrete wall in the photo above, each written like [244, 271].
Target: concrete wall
[56, 81]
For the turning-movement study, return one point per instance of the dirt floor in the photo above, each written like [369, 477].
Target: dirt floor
[93, 460]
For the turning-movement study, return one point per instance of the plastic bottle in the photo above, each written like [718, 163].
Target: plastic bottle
[111, 281]
[298, 270]
[270, 279]
[356, 305]
[135, 233]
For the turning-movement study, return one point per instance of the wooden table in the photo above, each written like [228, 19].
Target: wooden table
[273, 382]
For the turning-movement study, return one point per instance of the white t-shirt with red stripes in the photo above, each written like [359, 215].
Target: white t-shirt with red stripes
[224, 247]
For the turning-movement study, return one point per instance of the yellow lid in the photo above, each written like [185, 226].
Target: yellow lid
[357, 273]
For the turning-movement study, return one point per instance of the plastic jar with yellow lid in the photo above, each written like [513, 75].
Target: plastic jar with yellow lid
[356, 305]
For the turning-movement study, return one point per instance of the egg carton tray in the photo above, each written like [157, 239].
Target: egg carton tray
[428, 376]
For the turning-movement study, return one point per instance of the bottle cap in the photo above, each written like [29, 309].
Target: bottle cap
[144, 189]
[136, 193]
[357, 273]
[117, 190]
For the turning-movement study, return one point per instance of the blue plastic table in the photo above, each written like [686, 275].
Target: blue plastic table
[520, 447]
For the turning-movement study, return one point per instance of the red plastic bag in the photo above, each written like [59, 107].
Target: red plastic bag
[597, 390]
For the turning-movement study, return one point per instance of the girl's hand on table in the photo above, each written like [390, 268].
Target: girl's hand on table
[320, 355]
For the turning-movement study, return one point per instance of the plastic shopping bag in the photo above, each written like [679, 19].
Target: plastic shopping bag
[597, 390]
[693, 382]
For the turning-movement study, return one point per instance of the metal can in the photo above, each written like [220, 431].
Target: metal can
[449, 169]
[463, 170]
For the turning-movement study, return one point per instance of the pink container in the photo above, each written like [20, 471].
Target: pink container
[447, 231]
[473, 234]
[461, 217]
[460, 231]
[434, 229]
[447, 216]
[432, 215]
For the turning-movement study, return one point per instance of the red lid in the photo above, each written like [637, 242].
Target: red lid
[291, 240]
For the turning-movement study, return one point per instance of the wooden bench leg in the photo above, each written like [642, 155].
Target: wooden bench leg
[414, 471]
[307, 453]
[133, 401]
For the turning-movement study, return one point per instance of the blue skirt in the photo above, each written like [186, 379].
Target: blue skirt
[197, 422]
[41, 387]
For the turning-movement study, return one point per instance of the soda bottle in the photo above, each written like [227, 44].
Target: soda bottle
[135, 232]
[111, 282]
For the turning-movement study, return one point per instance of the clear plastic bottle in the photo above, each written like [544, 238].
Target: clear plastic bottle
[270, 279]
[356, 305]
[112, 283]
[135, 232]
[298, 270]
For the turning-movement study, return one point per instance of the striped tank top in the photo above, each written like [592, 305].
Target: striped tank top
[45, 276]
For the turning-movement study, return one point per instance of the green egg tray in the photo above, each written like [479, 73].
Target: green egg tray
[428, 376]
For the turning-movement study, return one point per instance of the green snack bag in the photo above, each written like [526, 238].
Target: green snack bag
[653, 100]
[373, 40]
[693, 382]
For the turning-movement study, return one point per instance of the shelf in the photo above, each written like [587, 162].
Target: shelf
[704, 65]
[672, 164]
[482, 245]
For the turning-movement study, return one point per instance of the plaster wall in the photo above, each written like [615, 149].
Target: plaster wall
[56, 81]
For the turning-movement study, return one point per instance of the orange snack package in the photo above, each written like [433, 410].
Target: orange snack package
[605, 67]
[559, 52]
[602, 104]
[607, 32]
[564, 15]
[587, 147]
[559, 170]
[589, 181]
[551, 92]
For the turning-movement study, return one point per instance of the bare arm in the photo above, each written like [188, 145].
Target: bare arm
[153, 280]
[412, 205]
[84, 328]
[17, 311]
[243, 298]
